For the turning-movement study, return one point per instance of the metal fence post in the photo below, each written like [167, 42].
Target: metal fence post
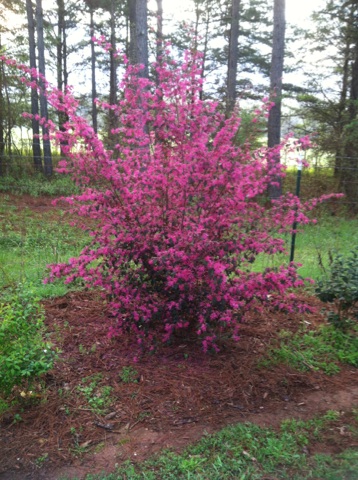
[294, 226]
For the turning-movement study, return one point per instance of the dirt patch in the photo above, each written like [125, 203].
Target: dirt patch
[165, 400]
[38, 205]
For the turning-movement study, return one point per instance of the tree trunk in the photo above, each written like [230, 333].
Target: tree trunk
[62, 74]
[113, 77]
[205, 48]
[36, 148]
[43, 101]
[349, 174]
[93, 73]
[274, 121]
[2, 119]
[139, 35]
[339, 130]
[159, 50]
[233, 57]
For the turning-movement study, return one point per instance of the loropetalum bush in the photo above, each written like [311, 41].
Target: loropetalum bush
[178, 210]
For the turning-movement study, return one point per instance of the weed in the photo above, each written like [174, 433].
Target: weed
[98, 397]
[99, 447]
[39, 462]
[17, 418]
[128, 375]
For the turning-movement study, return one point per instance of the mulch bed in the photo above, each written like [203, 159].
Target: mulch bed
[176, 395]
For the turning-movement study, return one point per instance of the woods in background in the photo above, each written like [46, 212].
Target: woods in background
[247, 51]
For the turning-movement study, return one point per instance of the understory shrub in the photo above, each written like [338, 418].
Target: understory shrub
[177, 209]
[24, 352]
[340, 287]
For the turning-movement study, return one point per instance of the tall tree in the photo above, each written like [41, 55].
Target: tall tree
[332, 99]
[233, 57]
[349, 173]
[2, 116]
[159, 34]
[212, 21]
[62, 71]
[92, 6]
[138, 16]
[36, 148]
[48, 170]
[112, 73]
[277, 59]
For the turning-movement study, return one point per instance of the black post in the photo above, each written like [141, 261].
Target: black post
[294, 226]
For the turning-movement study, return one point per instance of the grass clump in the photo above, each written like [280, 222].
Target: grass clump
[321, 349]
[39, 185]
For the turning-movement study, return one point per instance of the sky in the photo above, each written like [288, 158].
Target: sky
[297, 14]
[297, 11]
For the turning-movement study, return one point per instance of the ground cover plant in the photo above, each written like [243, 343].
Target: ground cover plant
[24, 352]
[321, 349]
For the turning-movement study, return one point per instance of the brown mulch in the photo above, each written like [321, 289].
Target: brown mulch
[38, 205]
[175, 396]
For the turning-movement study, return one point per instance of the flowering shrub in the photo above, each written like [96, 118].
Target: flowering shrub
[178, 211]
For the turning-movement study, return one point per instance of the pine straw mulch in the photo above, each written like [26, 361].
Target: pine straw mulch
[173, 398]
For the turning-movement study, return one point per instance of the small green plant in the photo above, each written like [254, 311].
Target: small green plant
[41, 460]
[341, 288]
[17, 418]
[24, 352]
[4, 406]
[129, 375]
[98, 397]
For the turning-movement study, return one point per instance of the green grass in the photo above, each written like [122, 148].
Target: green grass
[29, 243]
[322, 349]
[39, 185]
[315, 244]
[247, 452]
